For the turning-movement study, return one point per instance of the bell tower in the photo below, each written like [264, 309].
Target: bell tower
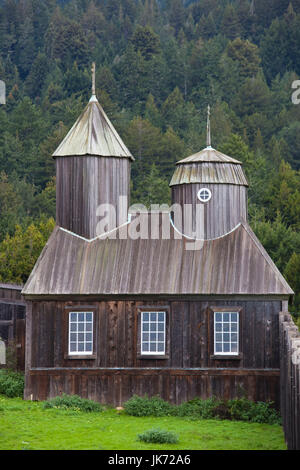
[92, 170]
[216, 182]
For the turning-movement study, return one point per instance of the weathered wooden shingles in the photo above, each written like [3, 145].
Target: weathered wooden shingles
[93, 134]
[209, 172]
[234, 264]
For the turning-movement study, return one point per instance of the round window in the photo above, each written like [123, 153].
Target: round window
[204, 195]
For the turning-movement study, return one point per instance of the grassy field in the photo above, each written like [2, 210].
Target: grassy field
[26, 425]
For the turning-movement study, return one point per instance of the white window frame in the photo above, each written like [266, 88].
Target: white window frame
[156, 332]
[85, 331]
[201, 191]
[230, 331]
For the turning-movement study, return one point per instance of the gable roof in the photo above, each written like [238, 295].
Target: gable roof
[233, 264]
[93, 134]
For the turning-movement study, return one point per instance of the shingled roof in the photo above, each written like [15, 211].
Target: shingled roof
[93, 134]
[209, 155]
[233, 264]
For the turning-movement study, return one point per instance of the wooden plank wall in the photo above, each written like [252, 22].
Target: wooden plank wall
[82, 183]
[12, 320]
[189, 368]
[225, 210]
[290, 380]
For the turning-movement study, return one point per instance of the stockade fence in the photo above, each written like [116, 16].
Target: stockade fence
[290, 380]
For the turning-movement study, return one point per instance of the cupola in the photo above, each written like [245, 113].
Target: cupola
[92, 170]
[211, 189]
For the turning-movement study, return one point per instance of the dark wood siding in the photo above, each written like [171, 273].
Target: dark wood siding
[225, 210]
[12, 322]
[190, 350]
[85, 182]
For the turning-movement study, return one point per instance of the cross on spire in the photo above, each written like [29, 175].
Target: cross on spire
[94, 78]
[208, 137]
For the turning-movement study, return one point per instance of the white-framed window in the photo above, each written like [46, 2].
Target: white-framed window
[80, 333]
[204, 194]
[153, 333]
[226, 333]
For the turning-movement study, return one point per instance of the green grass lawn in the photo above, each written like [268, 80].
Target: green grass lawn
[26, 425]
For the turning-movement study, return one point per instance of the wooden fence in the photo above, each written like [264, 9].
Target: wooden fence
[290, 380]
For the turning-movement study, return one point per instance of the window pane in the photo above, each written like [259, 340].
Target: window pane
[161, 316]
[234, 337]
[218, 317]
[89, 316]
[145, 316]
[81, 332]
[88, 336]
[153, 332]
[226, 332]
[226, 337]
[218, 336]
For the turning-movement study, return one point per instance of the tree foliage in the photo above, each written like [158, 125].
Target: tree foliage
[159, 64]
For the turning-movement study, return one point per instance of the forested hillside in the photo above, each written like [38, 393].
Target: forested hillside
[159, 64]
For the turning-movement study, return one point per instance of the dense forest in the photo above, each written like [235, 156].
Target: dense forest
[159, 64]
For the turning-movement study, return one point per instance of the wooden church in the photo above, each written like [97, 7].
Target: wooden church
[112, 316]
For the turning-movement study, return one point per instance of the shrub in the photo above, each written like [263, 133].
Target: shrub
[11, 383]
[256, 412]
[240, 409]
[197, 408]
[158, 436]
[73, 402]
[144, 406]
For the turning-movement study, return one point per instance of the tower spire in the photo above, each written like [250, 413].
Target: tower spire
[208, 136]
[93, 78]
